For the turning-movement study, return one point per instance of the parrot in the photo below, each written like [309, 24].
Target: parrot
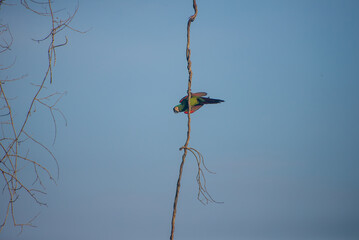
[197, 101]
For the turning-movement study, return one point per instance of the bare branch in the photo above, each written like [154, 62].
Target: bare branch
[6, 38]
[15, 137]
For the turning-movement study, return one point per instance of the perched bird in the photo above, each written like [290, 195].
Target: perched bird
[197, 101]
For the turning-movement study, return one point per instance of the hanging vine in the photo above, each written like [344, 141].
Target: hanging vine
[203, 195]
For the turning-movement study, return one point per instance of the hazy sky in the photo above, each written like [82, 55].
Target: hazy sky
[284, 145]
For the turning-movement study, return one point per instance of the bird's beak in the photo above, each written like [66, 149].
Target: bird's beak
[175, 110]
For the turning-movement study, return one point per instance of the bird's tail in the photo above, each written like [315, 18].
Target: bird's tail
[211, 100]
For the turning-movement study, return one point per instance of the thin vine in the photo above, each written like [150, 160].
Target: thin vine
[185, 147]
[203, 195]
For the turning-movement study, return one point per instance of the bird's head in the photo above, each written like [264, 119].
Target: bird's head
[176, 109]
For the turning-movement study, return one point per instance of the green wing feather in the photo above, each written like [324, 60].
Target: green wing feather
[198, 94]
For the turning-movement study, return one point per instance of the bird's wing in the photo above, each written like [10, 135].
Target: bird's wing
[183, 98]
[194, 108]
[198, 94]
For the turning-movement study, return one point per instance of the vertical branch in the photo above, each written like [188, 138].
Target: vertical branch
[185, 147]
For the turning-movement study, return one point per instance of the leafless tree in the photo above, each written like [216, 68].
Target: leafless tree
[22, 174]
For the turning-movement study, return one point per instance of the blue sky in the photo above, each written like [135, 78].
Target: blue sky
[284, 145]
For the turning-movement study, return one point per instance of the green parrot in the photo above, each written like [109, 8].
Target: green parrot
[197, 101]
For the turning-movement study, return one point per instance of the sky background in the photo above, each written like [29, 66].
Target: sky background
[284, 144]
